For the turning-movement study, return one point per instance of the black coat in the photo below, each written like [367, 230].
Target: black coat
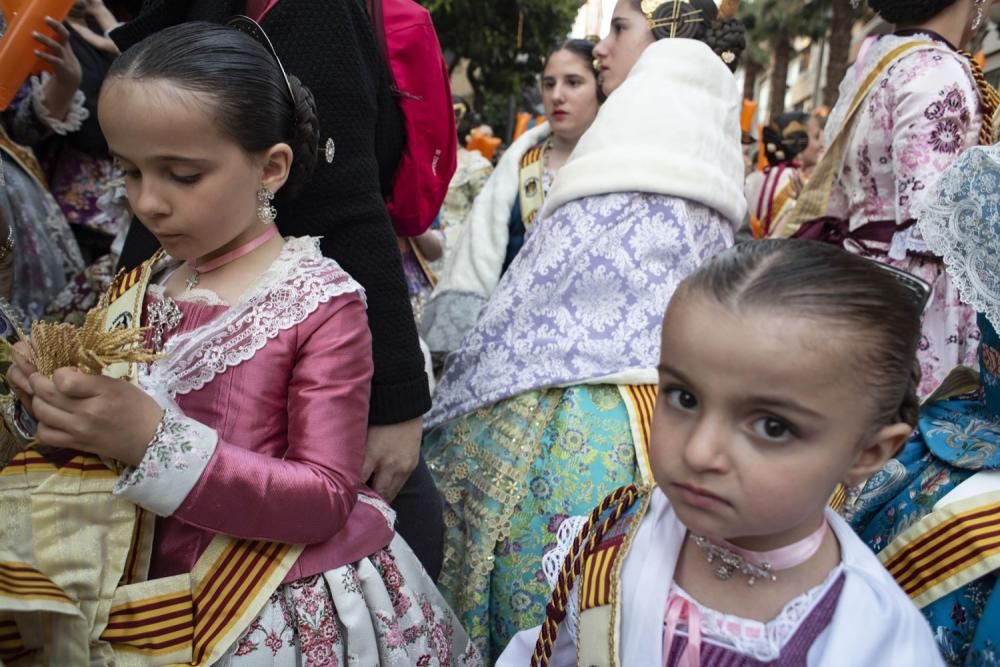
[329, 45]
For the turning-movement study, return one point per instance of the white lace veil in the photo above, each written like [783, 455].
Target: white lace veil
[960, 221]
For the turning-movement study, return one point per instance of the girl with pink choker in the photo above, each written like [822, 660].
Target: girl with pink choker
[246, 437]
[733, 557]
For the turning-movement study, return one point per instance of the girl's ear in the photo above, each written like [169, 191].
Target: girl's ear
[882, 447]
[276, 163]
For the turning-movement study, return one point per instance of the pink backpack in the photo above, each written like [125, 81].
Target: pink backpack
[423, 93]
[431, 152]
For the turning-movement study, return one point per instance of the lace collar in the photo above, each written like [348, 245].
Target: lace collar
[761, 641]
[291, 289]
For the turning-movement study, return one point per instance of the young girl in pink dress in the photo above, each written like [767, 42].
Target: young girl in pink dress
[252, 425]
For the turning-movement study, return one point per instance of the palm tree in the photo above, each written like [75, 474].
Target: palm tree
[776, 24]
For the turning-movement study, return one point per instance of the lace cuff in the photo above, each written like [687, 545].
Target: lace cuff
[74, 118]
[174, 462]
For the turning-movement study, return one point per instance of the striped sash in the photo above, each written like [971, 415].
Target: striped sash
[189, 618]
[947, 549]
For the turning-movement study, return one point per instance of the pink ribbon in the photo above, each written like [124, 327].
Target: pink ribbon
[680, 608]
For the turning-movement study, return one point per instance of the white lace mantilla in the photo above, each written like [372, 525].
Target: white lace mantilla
[959, 219]
[760, 641]
[288, 292]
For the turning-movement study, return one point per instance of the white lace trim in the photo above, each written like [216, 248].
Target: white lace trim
[906, 241]
[74, 117]
[761, 641]
[959, 219]
[552, 563]
[383, 508]
[201, 296]
[288, 292]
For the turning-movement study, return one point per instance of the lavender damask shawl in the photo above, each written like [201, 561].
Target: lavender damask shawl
[583, 300]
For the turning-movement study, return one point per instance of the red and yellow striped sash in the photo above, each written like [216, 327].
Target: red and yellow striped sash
[946, 549]
[189, 618]
[22, 581]
[598, 574]
[11, 646]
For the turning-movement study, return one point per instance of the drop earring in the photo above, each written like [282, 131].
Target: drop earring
[266, 213]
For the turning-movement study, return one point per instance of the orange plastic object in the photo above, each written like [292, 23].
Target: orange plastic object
[485, 145]
[746, 115]
[17, 46]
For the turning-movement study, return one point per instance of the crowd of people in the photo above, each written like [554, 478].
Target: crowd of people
[294, 375]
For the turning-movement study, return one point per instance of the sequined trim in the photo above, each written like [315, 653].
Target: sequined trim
[520, 431]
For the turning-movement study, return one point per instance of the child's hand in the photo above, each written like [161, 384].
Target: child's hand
[94, 413]
[67, 72]
[19, 373]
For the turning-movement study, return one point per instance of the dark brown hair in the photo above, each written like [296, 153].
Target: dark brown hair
[584, 50]
[722, 36]
[253, 104]
[879, 307]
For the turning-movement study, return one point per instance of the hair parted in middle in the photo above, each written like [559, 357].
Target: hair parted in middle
[876, 308]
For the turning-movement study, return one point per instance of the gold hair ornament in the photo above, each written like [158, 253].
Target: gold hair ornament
[677, 18]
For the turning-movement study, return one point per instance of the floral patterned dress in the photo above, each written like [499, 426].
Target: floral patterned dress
[955, 439]
[919, 116]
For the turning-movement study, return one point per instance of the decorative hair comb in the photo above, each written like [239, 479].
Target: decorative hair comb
[247, 25]
[682, 14]
[921, 290]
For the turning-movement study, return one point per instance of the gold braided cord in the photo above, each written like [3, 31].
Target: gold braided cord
[988, 98]
[89, 348]
[584, 542]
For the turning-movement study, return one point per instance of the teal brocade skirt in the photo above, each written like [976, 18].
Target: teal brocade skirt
[510, 473]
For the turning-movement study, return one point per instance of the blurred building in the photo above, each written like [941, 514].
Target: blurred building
[807, 69]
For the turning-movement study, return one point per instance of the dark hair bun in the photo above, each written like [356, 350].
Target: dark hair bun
[697, 19]
[785, 137]
[688, 20]
[305, 137]
[910, 12]
[728, 38]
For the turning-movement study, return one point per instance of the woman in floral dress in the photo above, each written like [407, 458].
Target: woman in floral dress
[925, 106]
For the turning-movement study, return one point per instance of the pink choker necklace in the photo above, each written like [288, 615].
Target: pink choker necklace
[756, 565]
[211, 265]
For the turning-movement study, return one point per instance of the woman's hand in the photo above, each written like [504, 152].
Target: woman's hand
[66, 74]
[94, 413]
[22, 368]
